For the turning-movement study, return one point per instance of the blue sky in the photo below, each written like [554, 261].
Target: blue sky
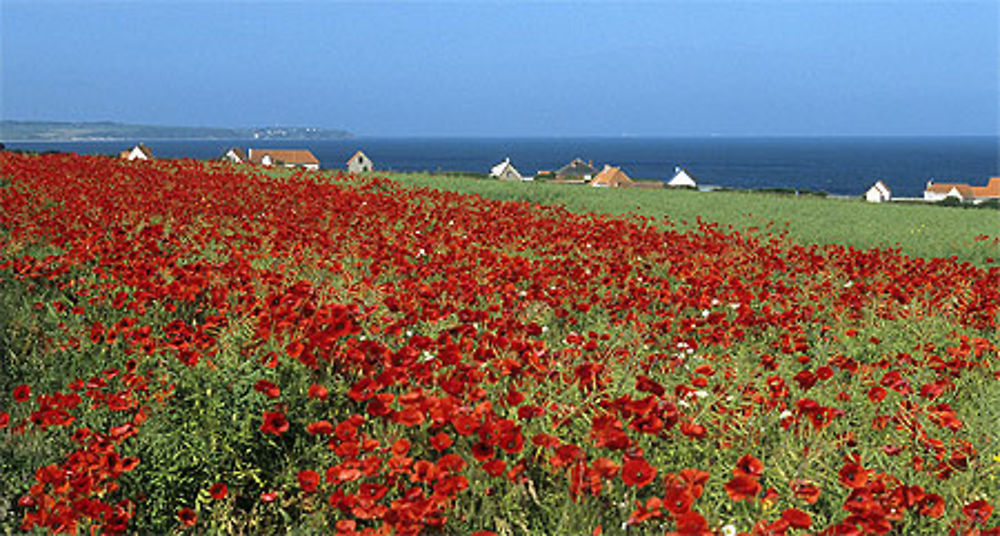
[671, 68]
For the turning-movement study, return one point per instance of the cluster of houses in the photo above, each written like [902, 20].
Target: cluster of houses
[291, 158]
[575, 172]
[580, 172]
[934, 192]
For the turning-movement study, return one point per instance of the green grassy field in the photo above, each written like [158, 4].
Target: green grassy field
[919, 230]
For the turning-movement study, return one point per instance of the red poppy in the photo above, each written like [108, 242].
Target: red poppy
[805, 490]
[323, 427]
[796, 518]
[495, 467]
[308, 480]
[267, 388]
[218, 491]
[187, 517]
[691, 524]
[268, 497]
[318, 392]
[637, 472]
[441, 441]
[742, 487]
[274, 422]
[853, 476]
[22, 393]
[749, 466]
[693, 430]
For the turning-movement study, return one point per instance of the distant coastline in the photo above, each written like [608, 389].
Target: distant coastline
[61, 131]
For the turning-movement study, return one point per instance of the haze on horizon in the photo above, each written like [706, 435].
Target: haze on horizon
[672, 68]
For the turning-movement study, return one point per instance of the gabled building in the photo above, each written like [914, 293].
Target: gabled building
[611, 177]
[577, 169]
[878, 193]
[943, 190]
[682, 177]
[283, 157]
[139, 152]
[360, 163]
[235, 155]
[505, 171]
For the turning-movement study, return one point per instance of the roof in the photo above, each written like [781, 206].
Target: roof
[239, 153]
[991, 190]
[502, 167]
[146, 151]
[288, 156]
[610, 176]
[356, 155]
[682, 177]
[944, 188]
[576, 168]
[879, 185]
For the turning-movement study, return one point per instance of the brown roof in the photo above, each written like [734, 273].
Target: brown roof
[944, 187]
[611, 177]
[991, 190]
[287, 156]
[242, 156]
[142, 148]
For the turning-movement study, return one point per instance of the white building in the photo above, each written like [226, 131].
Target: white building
[360, 163]
[235, 155]
[284, 157]
[878, 193]
[682, 178]
[139, 152]
[505, 171]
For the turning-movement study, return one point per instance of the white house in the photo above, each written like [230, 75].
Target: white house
[878, 193]
[682, 178]
[139, 152]
[505, 171]
[359, 163]
[283, 157]
[963, 192]
[235, 155]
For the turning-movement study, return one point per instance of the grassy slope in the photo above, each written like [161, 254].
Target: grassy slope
[920, 230]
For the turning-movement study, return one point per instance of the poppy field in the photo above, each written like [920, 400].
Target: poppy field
[194, 347]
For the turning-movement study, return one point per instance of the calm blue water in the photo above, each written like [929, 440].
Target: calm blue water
[841, 166]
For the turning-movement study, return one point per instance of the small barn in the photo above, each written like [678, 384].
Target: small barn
[235, 155]
[682, 177]
[611, 177]
[505, 171]
[139, 152]
[360, 163]
[291, 158]
[878, 193]
[577, 169]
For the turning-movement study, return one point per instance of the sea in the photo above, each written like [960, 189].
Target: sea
[843, 166]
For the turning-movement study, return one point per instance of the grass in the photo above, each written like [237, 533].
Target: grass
[918, 230]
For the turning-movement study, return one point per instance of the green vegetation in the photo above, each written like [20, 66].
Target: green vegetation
[917, 229]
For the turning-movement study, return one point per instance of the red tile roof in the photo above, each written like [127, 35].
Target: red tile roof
[299, 157]
[990, 191]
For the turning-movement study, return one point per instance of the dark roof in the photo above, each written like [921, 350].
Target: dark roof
[576, 168]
